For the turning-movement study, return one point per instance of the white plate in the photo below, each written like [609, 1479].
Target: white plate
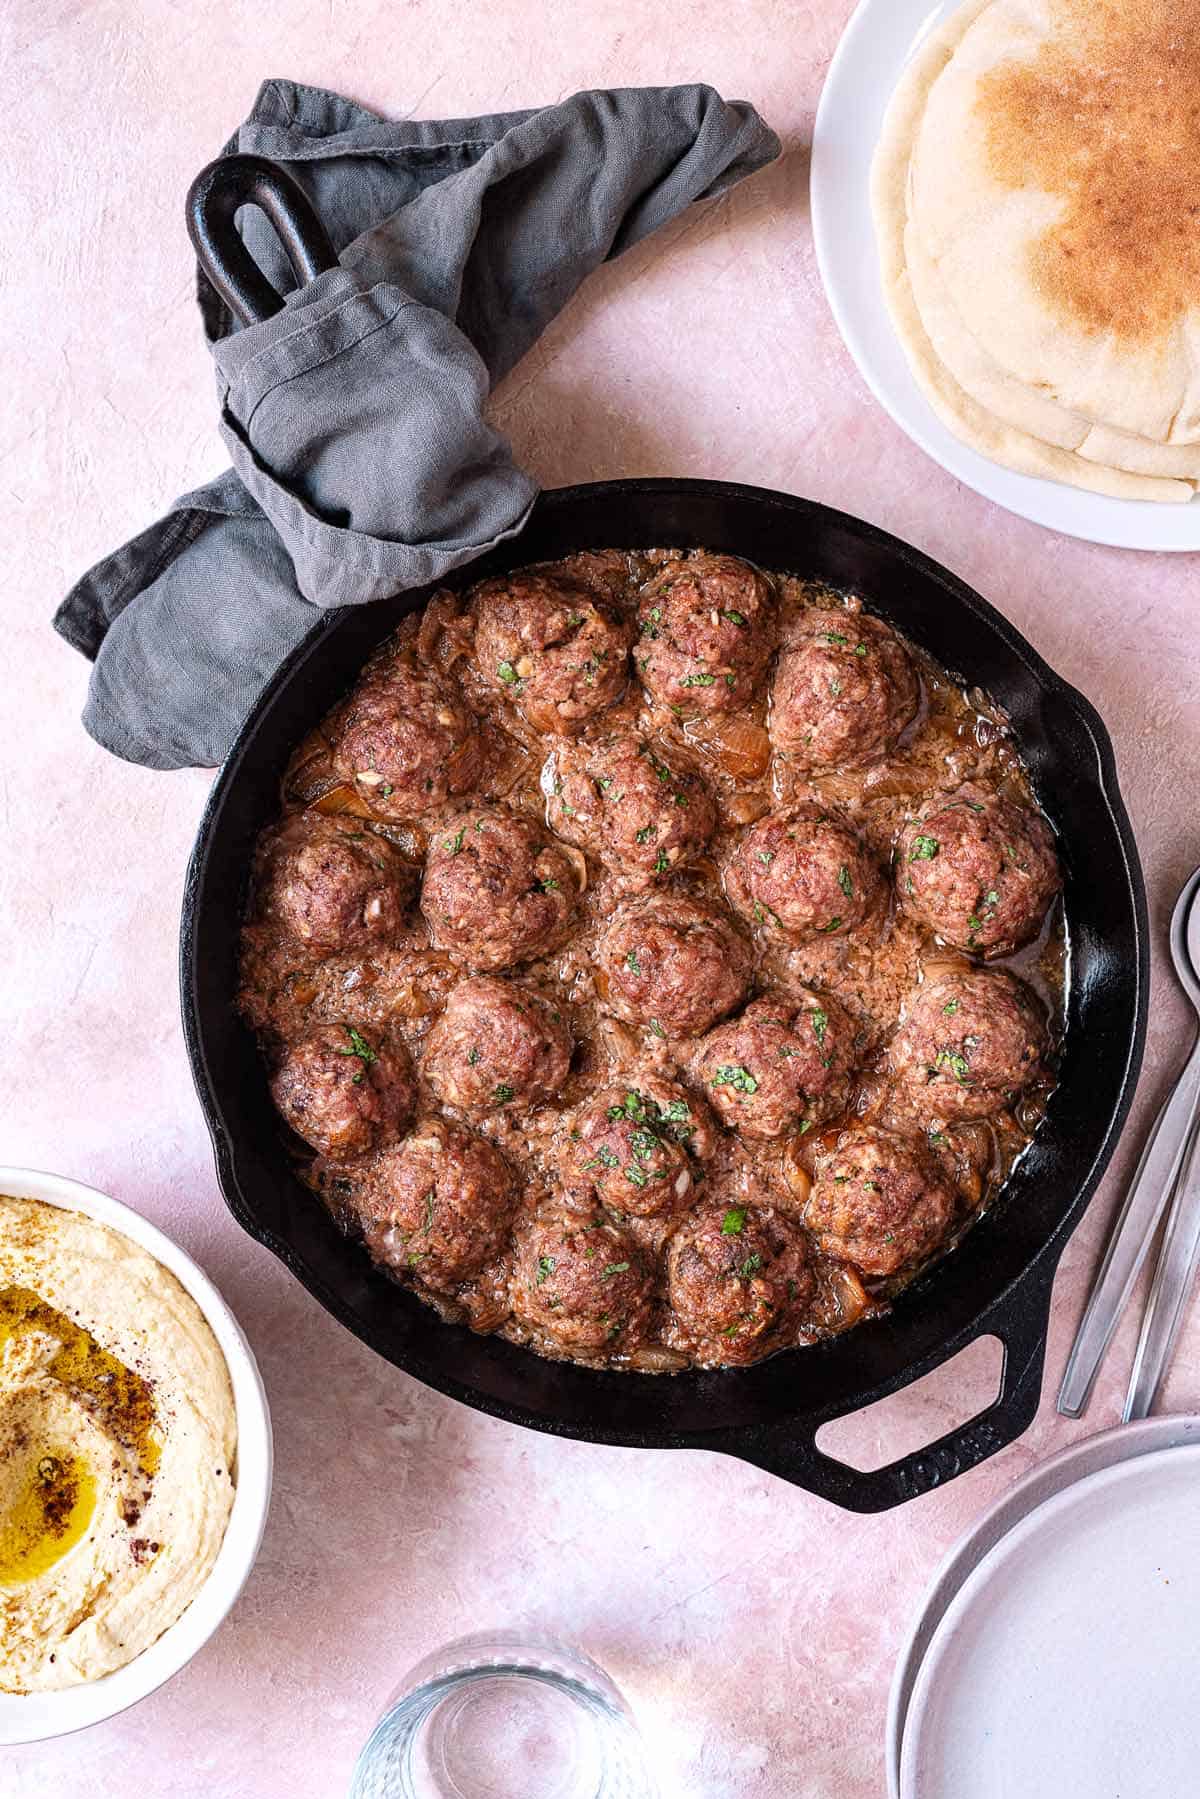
[30, 1718]
[875, 46]
[1069, 1661]
[1074, 1463]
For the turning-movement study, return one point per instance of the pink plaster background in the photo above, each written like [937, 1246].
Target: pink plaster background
[753, 1627]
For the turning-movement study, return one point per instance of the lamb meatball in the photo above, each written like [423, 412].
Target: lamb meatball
[334, 885]
[439, 1206]
[707, 630]
[495, 1045]
[844, 689]
[582, 1282]
[631, 1149]
[497, 889]
[408, 741]
[784, 1063]
[880, 1201]
[969, 1044]
[738, 1279]
[343, 1092]
[977, 869]
[802, 876]
[550, 647]
[638, 814]
[673, 963]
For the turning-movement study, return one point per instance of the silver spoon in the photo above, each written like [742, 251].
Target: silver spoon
[1151, 1188]
[1179, 1254]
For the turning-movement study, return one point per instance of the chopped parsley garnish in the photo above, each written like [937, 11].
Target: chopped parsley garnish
[750, 1267]
[834, 637]
[614, 1268]
[603, 1158]
[646, 833]
[734, 1219]
[650, 622]
[735, 618]
[937, 1138]
[835, 687]
[508, 674]
[662, 863]
[860, 649]
[951, 1007]
[643, 1143]
[766, 857]
[545, 1268]
[819, 1022]
[386, 791]
[958, 1065]
[924, 849]
[358, 1047]
[631, 961]
[845, 882]
[452, 845]
[698, 681]
[472, 1058]
[832, 925]
[546, 885]
[732, 1074]
[502, 1094]
[638, 1176]
[657, 1028]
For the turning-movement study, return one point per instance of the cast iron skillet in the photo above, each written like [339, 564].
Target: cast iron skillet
[997, 1282]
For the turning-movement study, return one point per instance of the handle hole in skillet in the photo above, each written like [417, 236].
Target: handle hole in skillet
[906, 1421]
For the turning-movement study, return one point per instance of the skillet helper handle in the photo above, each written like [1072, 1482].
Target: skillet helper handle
[1150, 1189]
[1021, 1324]
[212, 204]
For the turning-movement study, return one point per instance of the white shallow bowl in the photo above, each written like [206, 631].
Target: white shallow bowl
[1074, 1463]
[876, 45]
[1068, 1661]
[33, 1717]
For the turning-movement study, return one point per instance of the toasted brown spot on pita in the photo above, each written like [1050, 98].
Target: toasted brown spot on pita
[1107, 116]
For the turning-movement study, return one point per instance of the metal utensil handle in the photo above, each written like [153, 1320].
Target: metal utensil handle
[1019, 1321]
[1145, 1202]
[1172, 1283]
[212, 203]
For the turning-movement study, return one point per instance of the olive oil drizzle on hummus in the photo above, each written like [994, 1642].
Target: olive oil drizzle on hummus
[46, 1509]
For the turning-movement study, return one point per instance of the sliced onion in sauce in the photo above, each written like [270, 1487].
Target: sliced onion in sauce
[342, 798]
[850, 1296]
[740, 747]
[578, 862]
[656, 1360]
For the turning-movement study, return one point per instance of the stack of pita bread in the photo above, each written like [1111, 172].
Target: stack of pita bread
[1037, 203]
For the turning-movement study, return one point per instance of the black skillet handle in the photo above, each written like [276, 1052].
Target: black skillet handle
[1020, 1321]
[212, 203]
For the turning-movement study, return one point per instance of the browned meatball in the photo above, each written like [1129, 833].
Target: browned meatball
[785, 1062]
[581, 1282]
[497, 890]
[738, 1279]
[673, 963]
[439, 1206]
[638, 814]
[844, 689]
[334, 884]
[631, 1147]
[880, 1201]
[978, 870]
[969, 1044]
[707, 630]
[802, 875]
[497, 1044]
[548, 645]
[343, 1092]
[408, 741]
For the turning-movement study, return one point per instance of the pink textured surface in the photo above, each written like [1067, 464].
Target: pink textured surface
[753, 1628]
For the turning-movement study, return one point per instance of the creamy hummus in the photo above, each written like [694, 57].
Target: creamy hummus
[117, 1444]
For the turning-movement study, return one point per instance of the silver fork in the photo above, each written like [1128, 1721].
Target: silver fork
[1153, 1185]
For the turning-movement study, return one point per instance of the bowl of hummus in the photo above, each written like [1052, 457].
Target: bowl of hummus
[135, 1457]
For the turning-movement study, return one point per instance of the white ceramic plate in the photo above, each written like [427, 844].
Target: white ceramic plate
[1069, 1661]
[32, 1717]
[875, 46]
[1071, 1464]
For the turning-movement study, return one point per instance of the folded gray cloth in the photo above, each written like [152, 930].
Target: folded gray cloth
[362, 460]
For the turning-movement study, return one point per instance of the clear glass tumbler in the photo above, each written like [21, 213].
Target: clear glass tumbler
[504, 1715]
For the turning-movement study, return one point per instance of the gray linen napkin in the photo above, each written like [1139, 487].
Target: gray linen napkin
[362, 460]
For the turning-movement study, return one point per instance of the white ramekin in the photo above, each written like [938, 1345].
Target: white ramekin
[31, 1718]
